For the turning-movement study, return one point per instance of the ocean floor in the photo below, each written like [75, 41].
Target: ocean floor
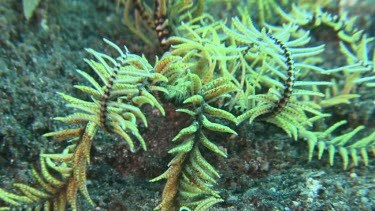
[38, 57]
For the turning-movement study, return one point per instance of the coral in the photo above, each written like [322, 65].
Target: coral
[224, 76]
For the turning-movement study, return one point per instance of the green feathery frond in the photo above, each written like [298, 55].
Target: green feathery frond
[344, 144]
[51, 190]
[275, 53]
[343, 25]
[333, 97]
[190, 177]
[128, 82]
